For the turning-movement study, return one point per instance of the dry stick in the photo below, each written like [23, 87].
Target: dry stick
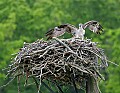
[11, 71]
[41, 76]
[6, 68]
[18, 82]
[113, 63]
[63, 44]
[101, 57]
[43, 53]
[90, 73]
[7, 83]
[98, 73]
[40, 80]
[11, 80]
[33, 83]
[42, 50]
[68, 48]
[26, 80]
[80, 69]
[98, 55]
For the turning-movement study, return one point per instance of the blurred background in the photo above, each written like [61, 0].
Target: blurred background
[28, 20]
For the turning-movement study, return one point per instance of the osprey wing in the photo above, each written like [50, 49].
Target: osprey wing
[68, 28]
[60, 30]
[49, 34]
[93, 26]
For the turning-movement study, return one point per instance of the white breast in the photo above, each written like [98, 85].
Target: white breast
[80, 33]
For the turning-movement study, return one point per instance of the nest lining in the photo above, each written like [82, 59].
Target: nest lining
[60, 60]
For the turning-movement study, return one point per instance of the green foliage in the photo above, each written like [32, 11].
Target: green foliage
[28, 20]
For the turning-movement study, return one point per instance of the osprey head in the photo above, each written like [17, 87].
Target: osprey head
[56, 28]
[80, 25]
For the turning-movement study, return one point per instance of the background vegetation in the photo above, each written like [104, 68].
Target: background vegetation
[28, 20]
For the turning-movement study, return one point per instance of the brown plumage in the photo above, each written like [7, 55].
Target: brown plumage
[60, 30]
[76, 32]
[93, 26]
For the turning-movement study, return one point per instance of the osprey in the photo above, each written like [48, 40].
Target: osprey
[76, 32]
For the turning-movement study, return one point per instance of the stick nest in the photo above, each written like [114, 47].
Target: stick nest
[59, 60]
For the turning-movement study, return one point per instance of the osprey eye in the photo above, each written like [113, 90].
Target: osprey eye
[74, 33]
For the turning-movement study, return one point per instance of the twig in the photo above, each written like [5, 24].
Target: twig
[57, 60]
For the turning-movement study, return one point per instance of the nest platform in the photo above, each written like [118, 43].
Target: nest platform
[67, 61]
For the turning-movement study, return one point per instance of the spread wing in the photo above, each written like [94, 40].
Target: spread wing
[93, 26]
[60, 30]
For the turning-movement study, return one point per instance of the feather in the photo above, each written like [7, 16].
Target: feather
[60, 30]
[93, 26]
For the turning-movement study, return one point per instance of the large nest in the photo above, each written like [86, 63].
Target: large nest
[76, 62]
